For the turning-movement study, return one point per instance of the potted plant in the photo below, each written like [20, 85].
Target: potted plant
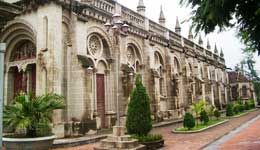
[29, 119]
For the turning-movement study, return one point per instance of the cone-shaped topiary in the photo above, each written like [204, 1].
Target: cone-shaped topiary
[189, 121]
[204, 117]
[139, 120]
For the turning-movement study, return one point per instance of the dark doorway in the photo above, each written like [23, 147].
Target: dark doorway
[100, 88]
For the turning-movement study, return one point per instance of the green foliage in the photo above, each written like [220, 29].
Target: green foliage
[207, 15]
[236, 108]
[247, 106]
[217, 113]
[241, 107]
[189, 121]
[229, 109]
[32, 114]
[204, 117]
[148, 137]
[251, 103]
[138, 114]
[198, 107]
[210, 110]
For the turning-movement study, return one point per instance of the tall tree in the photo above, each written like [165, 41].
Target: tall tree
[207, 15]
[139, 120]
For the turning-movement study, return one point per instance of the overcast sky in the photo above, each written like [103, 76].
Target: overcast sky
[226, 40]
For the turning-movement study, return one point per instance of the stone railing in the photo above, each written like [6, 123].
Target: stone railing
[101, 4]
[174, 36]
[156, 28]
[133, 17]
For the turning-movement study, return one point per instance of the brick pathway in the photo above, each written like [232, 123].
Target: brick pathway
[189, 141]
[247, 139]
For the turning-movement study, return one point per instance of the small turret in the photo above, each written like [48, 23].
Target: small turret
[208, 45]
[177, 26]
[162, 19]
[221, 53]
[200, 41]
[216, 49]
[190, 36]
[141, 7]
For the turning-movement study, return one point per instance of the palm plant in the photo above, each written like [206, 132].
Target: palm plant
[198, 107]
[32, 114]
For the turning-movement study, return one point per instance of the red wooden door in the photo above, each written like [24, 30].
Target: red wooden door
[18, 82]
[100, 88]
[33, 75]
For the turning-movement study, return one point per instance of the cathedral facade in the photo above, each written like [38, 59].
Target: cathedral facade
[64, 47]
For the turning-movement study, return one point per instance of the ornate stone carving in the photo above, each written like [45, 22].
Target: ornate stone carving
[95, 46]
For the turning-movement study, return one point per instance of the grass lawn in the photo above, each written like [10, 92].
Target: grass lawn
[200, 125]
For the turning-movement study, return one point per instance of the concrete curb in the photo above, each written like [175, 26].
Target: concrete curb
[200, 130]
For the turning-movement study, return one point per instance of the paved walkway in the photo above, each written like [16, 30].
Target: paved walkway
[246, 137]
[190, 141]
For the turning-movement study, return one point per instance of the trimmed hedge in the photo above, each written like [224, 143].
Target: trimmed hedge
[189, 121]
[204, 117]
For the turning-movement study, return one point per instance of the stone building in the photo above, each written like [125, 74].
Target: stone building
[62, 46]
[241, 87]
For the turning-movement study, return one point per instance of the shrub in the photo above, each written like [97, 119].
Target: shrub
[236, 108]
[247, 106]
[241, 107]
[251, 104]
[189, 121]
[229, 109]
[204, 117]
[217, 113]
[210, 110]
[148, 137]
[139, 120]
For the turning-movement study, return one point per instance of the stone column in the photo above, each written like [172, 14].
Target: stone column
[2, 53]
[220, 97]
[203, 91]
[212, 95]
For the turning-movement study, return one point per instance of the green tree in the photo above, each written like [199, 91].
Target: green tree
[138, 114]
[204, 117]
[33, 114]
[189, 121]
[207, 15]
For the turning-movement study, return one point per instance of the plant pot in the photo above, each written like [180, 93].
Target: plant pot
[39, 143]
[153, 145]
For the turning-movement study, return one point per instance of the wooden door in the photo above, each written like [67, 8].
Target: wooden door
[33, 78]
[18, 82]
[100, 88]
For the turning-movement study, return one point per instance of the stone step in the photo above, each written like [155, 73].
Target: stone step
[127, 144]
[139, 147]
[119, 138]
[119, 144]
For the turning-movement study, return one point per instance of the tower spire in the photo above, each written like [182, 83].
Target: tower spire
[216, 49]
[200, 40]
[190, 36]
[208, 45]
[141, 7]
[221, 53]
[177, 26]
[162, 19]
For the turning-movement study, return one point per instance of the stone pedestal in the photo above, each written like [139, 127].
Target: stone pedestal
[119, 141]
